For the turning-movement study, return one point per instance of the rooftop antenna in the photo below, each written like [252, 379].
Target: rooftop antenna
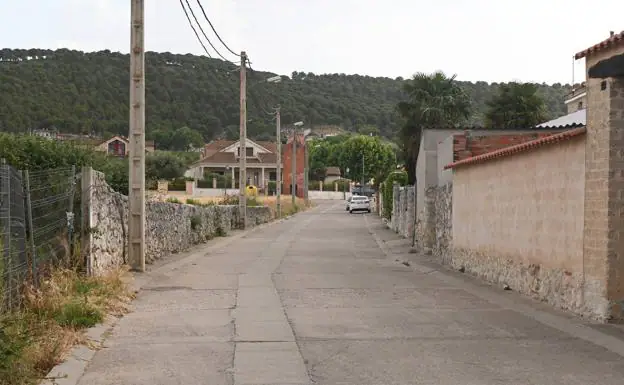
[573, 72]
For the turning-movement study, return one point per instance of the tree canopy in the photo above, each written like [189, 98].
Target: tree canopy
[358, 157]
[517, 105]
[81, 92]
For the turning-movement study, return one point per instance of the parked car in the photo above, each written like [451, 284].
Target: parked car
[358, 203]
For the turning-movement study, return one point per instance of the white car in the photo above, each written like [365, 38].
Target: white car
[358, 203]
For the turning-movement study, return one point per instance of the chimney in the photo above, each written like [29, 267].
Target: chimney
[611, 33]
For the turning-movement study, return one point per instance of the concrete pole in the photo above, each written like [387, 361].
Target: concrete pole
[293, 176]
[242, 200]
[305, 171]
[136, 180]
[278, 182]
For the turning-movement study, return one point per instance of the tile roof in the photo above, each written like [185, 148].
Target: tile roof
[575, 119]
[614, 39]
[562, 136]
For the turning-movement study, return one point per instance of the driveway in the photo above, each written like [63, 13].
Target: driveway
[325, 298]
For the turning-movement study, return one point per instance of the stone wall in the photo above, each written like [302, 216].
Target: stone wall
[403, 205]
[170, 227]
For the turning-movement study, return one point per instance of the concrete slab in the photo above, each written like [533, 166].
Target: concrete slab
[162, 364]
[269, 363]
[168, 326]
[180, 298]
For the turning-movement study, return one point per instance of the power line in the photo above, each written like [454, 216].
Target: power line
[204, 33]
[214, 30]
[194, 30]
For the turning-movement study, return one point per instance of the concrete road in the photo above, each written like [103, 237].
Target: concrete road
[324, 298]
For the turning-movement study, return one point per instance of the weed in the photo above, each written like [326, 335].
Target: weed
[36, 337]
[173, 200]
[196, 222]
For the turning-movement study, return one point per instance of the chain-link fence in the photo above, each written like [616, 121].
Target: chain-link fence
[37, 227]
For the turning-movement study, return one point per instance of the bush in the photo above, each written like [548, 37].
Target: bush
[314, 185]
[272, 187]
[397, 176]
[177, 184]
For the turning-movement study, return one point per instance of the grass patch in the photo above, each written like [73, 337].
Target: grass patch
[37, 337]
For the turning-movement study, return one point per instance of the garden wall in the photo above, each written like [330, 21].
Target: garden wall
[170, 227]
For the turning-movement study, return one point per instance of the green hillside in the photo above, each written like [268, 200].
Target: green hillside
[88, 92]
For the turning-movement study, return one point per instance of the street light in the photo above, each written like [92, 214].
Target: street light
[278, 162]
[293, 180]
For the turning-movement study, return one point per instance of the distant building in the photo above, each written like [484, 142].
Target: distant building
[120, 146]
[222, 157]
[332, 174]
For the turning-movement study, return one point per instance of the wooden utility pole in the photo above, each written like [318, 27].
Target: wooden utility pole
[278, 182]
[136, 180]
[242, 200]
[293, 176]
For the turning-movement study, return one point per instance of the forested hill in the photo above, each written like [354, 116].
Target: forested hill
[88, 92]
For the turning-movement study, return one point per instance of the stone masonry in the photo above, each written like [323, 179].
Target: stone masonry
[170, 227]
[604, 196]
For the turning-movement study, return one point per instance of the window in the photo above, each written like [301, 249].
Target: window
[580, 105]
[249, 151]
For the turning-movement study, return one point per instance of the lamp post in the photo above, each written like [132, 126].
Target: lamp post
[278, 162]
[293, 176]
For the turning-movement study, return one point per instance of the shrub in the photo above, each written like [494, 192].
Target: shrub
[177, 184]
[173, 200]
[196, 222]
[314, 185]
[397, 176]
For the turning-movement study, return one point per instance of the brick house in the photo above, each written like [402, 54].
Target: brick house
[287, 153]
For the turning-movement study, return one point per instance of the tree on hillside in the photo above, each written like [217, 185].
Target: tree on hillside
[88, 92]
[182, 139]
[433, 100]
[517, 105]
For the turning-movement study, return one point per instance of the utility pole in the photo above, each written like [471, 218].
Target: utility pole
[136, 179]
[305, 171]
[278, 183]
[293, 184]
[242, 149]
[362, 188]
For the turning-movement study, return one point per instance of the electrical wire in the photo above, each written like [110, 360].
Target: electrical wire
[194, 30]
[204, 33]
[214, 30]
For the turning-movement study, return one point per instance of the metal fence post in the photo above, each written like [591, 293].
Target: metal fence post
[30, 229]
[70, 213]
[5, 207]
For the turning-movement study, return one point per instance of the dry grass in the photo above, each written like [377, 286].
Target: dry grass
[37, 337]
[270, 201]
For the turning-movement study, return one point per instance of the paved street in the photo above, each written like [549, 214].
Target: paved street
[324, 298]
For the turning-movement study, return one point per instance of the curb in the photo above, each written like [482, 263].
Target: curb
[73, 367]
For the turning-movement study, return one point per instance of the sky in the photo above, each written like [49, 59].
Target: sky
[488, 40]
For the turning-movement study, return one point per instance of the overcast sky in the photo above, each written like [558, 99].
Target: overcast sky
[490, 40]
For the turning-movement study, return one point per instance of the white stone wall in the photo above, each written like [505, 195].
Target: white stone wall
[170, 227]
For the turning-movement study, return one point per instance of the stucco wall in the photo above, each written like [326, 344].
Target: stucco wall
[518, 221]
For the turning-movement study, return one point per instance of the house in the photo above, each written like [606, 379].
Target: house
[120, 146]
[221, 157]
[332, 174]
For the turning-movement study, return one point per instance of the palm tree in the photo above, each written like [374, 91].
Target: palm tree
[433, 101]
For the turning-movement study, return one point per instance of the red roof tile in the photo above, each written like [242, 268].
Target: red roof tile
[562, 136]
[617, 38]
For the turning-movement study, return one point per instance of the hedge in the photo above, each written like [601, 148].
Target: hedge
[387, 194]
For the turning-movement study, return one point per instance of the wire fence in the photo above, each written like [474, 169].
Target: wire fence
[37, 227]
